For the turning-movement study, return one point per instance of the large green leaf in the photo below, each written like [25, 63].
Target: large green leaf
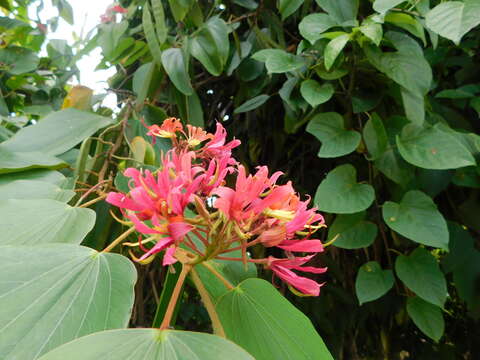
[315, 93]
[32, 189]
[255, 316]
[31, 222]
[150, 34]
[149, 344]
[417, 218]
[432, 148]
[180, 8]
[372, 282]
[342, 11]
[12, 161]
[384, 5]
[176, 68]
[420, 273]
[408, 23]
[340, 193]
[352, 231]
[45, 175]
[55, 293]
[312, 26]
[18, 60]
[57, 132]
[453, 19]
[330, 130]
[427, 317]
[210, 45]
[159, 15]
[288, 7]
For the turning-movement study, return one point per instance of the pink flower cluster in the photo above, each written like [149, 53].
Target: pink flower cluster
[186, 204]
[112, 10]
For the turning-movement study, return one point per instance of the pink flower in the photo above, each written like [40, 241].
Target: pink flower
[217, 148]
[283, 269]
[168, 129]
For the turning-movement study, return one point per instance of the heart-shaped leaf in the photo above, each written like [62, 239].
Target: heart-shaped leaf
[453, 19]
[420, 273]
[427, 317]
[316, 93]
[255, 316]
[417, 218]
[340, 193]
[352, 231]
[372, 282]
[43, 221]
[330, 130]
[54, 293]
[149, 344]
[432, 148]
[12, 161]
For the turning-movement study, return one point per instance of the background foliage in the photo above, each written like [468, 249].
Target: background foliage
[373, 106]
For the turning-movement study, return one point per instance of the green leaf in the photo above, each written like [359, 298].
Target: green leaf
[210, 45]
[32, 189]
[18, 60]
[66, 11]
[417, 218]
[427, 317]
[180, 8]
[11, 161]
[57, 132]
[110, 35]
[375, 136]
[174, 63]
[316, 94]
[149, 344]
[190, 109]
[352, 231]
[150, 35]
[372, 282]
[382, 6]
[159, 15]
[407, 67]
[340, 193]
[48, 221]
[252, 104]
[288, 7]
[453, 19]
[414, 105]
[333, 49]
[420, 273]
[344, 12]
[53, 177]
[141, 81]
[373, 31]
[312, 26]
[255, 316]
[432, 148]
[279, 61]
[408, 23]
[330, 130]
[55, 293]
[463, 260]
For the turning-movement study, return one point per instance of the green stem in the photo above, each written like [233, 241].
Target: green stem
[207, 301]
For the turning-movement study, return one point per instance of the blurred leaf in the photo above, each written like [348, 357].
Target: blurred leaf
[57, 132]
[427, 317]
[151, 344]
[330, 130]
[417, 218]
[383, 6]
[420, 273]
[353, 231]
[141, 81]
[18, 60]
[255, 316]
[48, 221]
[316, 94]
[55, 293]
[334, 48]
[79, 97]
[159, 15]
[432, 148]
[150, 35]
[109, 36]
[252, 104]
[180, 8]
[372, 282]
[312, 26]
[279, 61]
[340, 193]
[453, 19]
[190, 109]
